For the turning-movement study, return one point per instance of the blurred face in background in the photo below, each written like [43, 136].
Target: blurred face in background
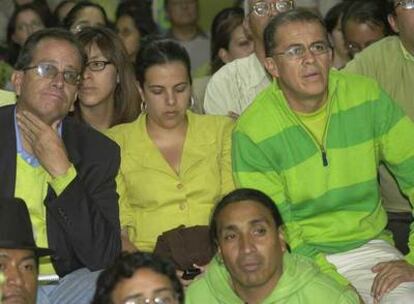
[27, 22]
[182, 12]
[129, 35]
[240, 45]
[88, 16]
[359, 35]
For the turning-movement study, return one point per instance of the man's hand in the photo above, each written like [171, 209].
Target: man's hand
[390, 275]
[45, 143]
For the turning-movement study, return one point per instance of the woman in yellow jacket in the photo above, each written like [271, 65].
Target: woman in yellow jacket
[174, 164]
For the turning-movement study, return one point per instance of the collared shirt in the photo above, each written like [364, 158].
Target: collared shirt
[152, 192]
[235, 85]
[29, 158]
[198, 48]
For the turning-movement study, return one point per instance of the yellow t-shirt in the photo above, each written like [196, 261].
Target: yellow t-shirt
[31, 186]
[315, 122]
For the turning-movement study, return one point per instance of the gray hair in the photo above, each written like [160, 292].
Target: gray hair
[292, 16]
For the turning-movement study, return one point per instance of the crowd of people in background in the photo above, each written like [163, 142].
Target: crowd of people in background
[206, 151]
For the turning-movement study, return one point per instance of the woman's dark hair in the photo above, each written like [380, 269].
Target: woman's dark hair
[224, 23]
[13, 47]
[160, 51]
[239, 195]
[74, 12]
[367, 11]
[333, 16]
[59, 7]
[141, 14]
[126, 97]
[125, 267]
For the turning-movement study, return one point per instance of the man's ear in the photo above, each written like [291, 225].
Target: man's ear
[282, 241]
[17, 81]
[271, 67]
[393, 22]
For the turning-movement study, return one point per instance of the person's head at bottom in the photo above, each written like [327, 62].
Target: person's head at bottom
[19, 255]
[245, 227]
[138, 278]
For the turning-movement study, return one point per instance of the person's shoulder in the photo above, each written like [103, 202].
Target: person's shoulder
[229, 70]
[85, 138]
[351, 80]
[122, 132]
[258, 109]
[313, 283]
[210, 120]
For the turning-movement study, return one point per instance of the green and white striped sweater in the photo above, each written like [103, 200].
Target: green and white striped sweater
[328, 194]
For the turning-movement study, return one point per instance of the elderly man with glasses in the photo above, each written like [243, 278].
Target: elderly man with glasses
[313, 143]
[232, 88]
[390, 61]
[63, 170]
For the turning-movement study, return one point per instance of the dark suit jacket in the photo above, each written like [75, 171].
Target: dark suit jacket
[83, 221]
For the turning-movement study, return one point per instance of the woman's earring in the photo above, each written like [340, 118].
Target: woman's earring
[143, 107]
[192, 102]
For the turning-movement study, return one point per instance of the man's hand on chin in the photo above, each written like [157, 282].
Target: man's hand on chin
[45, 143]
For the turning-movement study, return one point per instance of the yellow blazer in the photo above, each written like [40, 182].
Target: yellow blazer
[153, 198]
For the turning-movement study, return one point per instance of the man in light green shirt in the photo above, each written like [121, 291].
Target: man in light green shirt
[390, 61]
[253, 264]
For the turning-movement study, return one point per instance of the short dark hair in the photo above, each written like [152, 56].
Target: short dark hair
[125, 267]
[73, 13]
[26, 53]
[292, 16]
[333, 16]
[368, 11]
[224, 23]
[156, 51]
[239, 195]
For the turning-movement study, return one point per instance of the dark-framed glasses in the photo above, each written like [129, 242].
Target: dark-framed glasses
[48, 70]
[97, 65]
[161, 297]
[298, 51]
[407, 4]
[263, 8]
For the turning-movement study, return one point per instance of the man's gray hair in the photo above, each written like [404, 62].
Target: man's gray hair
[292, 16]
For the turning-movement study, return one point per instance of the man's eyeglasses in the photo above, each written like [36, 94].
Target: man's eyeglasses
[262, 8]
[408, 4]
[160, 297]
[48, 70]
[296, 52]
[97, 65]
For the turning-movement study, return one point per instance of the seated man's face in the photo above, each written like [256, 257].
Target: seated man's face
[20, 270]
[250, 245]
[301, 61]
[49, 96]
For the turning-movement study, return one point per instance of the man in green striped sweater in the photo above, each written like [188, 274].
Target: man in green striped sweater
[313, 141]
